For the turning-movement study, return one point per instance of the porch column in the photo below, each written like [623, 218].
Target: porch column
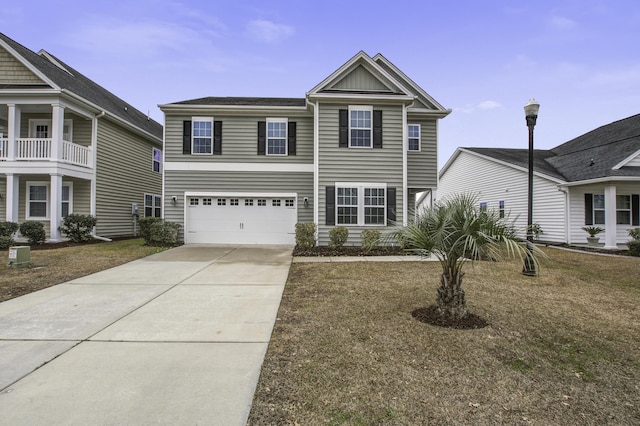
[610, 217]
[13, 130]
[13, 185]
[55, 207]
[57, 131]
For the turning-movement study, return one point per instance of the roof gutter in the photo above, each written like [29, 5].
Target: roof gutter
[601, 180]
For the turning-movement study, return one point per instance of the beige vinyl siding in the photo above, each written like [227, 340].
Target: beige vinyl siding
[240, 140]
[360, 79]
[13, 71]
[422, 166]
[81, 195]
[124, 175]
[179, 182]
[493, 182]
[366, 165]
[578, 236]
[3, 202]
[81, 131]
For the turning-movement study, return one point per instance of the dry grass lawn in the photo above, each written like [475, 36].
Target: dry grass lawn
[562, 348]
[54, 266]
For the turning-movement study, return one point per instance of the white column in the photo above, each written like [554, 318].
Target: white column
[13, 131]
[13, 185]
[610, 217]
[57, 130]
[55, 207]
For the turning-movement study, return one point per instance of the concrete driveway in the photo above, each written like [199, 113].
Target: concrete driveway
[175, 338]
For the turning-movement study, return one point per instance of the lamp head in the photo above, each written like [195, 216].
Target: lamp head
[531, 108]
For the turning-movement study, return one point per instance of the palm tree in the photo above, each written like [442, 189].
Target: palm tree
[457, 232]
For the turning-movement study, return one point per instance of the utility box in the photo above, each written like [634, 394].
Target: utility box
[19, 257]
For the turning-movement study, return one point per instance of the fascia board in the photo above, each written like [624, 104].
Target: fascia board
[359, 96]
[220, 109]
[29, 65]
[601, 180]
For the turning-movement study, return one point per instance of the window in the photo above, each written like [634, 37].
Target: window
[289, 203]
[153, 205]
[414, 137]
[623, 209]
[262, 203]
[202, 135]
[234, 202]
[374, 206]
[222, 201]
[37, 198]
[501, 208]
[194, 201]
[360, 127]
[483, 206]
[275, 203]
[598, 209]
[42, 129]
[67, 200]
[248, 202]
[206, 201]
[276, 136]
[157, 160]
[347, 204]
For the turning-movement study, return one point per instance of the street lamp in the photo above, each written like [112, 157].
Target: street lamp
[531, 114]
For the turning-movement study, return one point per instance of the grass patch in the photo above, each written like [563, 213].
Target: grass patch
[54, 266]
[562, 348]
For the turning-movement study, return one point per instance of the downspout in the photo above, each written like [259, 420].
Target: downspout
[94, 137]
[316, 166]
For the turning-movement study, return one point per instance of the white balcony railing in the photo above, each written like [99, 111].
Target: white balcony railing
[40, 149]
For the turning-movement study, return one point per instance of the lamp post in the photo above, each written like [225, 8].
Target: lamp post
[531, 114]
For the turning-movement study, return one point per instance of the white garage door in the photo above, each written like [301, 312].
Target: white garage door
[241, 219]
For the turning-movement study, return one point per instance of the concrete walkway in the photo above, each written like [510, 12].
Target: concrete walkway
[175, 338]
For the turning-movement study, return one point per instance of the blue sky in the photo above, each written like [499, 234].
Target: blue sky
[482, 59]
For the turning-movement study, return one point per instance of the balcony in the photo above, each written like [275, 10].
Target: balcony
[42, 149]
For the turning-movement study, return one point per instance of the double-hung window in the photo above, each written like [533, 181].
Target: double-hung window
[360, 126]
[623, 209]
[67, 199]
[157, 160]
[361, 204]
[413, 133]
[153, 205]
[37, 200]
[598, 209]
[276, 136]
[202, 135]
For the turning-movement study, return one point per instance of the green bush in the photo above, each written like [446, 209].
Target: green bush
[159, 232]
[33, 231]
[634, 247]
[305, 234]
[634, 233]
[78, 227]
[370, 239]
[144, 226]
[7, 229]
[338, 236]
[6, 242]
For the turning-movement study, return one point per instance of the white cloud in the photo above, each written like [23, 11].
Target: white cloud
[483, 106]
[562, 23]
[489, 105]
[267, 31]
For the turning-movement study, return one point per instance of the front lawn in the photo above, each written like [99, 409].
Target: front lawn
[563, 348]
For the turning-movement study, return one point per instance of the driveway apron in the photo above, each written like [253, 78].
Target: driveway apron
[175, 338]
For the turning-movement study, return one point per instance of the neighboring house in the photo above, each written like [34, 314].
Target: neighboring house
[593, 179]
[353, 152]
[68, 145]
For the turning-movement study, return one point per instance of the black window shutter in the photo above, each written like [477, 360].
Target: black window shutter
[391, 206]
[262, 137]
[377, 129]
[186, 137]
[217, 137]
[588, 209]
[291, 136]
[330, 202]
[344, 129]
[635, 210]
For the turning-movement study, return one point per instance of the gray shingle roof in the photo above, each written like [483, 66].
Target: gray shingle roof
[245, 101]
[82, 86]
[589, 156]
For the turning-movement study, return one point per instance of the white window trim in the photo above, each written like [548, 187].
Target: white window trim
[286, 135]
[593, 208]
[153, 161]
[27, 211]
[153, 204]
[624, 210]
[70, 202]
[201, 119]
[361, 186]
[33, 122]
[361, 108]
[419, 137]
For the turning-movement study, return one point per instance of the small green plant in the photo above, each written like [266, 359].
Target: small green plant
[370, 239]
[7, 229]
[537, 230]
[634, 247]
[159, 232]
[338, 236]
[6, 242]
[33, 231]
[305, 234]
[78, 227]
[634, 233]
[592, 230]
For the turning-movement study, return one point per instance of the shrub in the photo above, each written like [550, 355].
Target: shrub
[370, 239]
[33, 231]
[592, 230]
[634, 247]
[144, 227]
[7, 229]
[6, 242]
[78, 227]
[634, 233]
[305, 234]
[338, 236]
[159, 232]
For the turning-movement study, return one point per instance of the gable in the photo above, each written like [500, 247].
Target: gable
[13, 72]
[632, 161]
[360, 80]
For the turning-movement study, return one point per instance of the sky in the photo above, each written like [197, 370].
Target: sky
[580, 59]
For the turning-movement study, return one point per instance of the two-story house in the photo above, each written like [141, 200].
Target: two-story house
[67, 145]
[353, 152]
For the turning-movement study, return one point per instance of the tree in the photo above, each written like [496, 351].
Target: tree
[457, 232]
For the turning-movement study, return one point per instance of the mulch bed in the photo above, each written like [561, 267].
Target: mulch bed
[349, 251]
[430, 315]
